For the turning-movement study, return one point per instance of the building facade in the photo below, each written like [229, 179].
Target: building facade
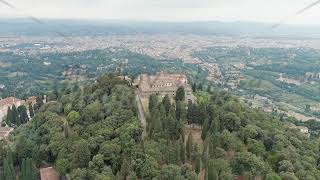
[163, 84]
[9, 102]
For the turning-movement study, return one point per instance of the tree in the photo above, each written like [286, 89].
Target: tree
[31, 112]
[8, 167]
[205, 129]
[81, 155]
[167, 104]
[9, 173]
[93, 112]
[181, 113]
[67, 108]
[23, 114]
[209, 88]
[194, 87]
[192, 113]
[66, 129]
[218, 169]
[189, 146]
[170, 172]
[180, 94]
[9, 118]
[248, 162]
[198, 164]
[62, 166]
[285, 166]
[39, 103]
[15, 115]
[153, 102]
[272, 176]
[211, 172]
[231, 121]
[182, 152]
[28, 170]
[73, 117]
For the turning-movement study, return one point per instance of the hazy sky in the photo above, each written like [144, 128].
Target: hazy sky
[168, 10]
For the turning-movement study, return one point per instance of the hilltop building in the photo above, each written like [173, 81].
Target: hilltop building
[8, 102]
[163, 84]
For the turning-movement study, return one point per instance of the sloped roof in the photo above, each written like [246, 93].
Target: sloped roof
[9, 101]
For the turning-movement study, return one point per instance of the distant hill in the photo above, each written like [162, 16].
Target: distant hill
[13, 27]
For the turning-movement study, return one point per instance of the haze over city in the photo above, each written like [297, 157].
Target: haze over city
[267, 11]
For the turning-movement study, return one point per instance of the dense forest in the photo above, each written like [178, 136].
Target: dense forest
[93, 132]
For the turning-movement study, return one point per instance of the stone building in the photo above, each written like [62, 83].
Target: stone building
[8, 102]
[163, 84]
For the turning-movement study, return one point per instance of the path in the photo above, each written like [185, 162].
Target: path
[141, 115]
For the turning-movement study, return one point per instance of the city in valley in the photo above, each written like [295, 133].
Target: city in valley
[159, 90]
[238, 64]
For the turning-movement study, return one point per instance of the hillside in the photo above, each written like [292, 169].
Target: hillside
[93, 132]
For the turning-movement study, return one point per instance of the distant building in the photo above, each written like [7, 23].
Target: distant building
[8, 102]
[315, 108]
[163, 84]
[49, 174]
[303, 129]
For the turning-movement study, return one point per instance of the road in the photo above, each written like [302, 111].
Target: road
[141, 115]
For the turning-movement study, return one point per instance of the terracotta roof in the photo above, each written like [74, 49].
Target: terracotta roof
[32, 100]
[49, 174]
[8, 101]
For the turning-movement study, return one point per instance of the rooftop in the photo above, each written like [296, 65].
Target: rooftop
[8, 101]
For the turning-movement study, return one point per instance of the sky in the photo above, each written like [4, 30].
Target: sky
[267, 11]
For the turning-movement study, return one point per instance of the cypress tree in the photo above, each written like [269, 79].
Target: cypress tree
[198, 164]
[31, 112]
[153, 101]
[194, 87]
[209, 88]
[172, 130]
[28, 170]
[190, 112]
[23, 114]
[189, 146]
[182, 152]
[167, 104]
[66, 129]
[181, 111]
[15, 115]
[10, 162]
[8, 173]
[212, 173]
[205, 129]
[9, 118]
[39, 103]
[8, 168]
[180, 94]
[156, 128]
[23, 169]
